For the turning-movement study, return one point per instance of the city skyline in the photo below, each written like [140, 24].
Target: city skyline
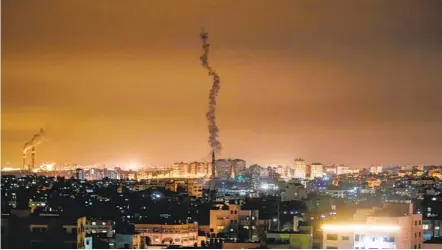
[117, 82]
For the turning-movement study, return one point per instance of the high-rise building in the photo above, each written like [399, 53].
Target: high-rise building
[228, 168]
[281, 171]
[79, 174]
[376, 169]
[316, 170]
[300, 168]
[239, 166]
[191, 170]
[341, 169]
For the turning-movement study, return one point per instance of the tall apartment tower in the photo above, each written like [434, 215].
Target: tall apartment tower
[300, 168]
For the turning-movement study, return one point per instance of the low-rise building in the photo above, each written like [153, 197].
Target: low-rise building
[232, 219]
[170, 234]
[394, 226]
[195, 189]
[336, 193]
[293, 191]
[292, 240]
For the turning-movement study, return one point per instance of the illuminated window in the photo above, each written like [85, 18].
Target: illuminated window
[332, 237]
[425, 227]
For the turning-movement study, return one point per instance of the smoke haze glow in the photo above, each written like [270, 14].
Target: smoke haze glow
[352, 82]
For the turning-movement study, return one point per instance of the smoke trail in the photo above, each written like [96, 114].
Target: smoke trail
[211, 118]
[35, 140]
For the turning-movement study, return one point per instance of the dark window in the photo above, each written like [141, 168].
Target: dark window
[231, 211]
[419, 246]
[420, 234]
[332, 237]
[415, 222]
[236, 212]
[415, 235]
[126, 246]
[420, 222]
[332, 247]
[345, 238]
[389, 239]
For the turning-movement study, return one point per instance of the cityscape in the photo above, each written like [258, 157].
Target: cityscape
[221, 124]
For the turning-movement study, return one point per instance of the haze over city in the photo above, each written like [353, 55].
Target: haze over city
[347, 82]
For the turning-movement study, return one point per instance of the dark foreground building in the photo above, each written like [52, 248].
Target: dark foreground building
[22, 230]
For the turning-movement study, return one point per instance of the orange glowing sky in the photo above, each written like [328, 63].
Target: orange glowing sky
[353, 82]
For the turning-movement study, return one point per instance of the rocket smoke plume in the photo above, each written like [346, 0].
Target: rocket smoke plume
[211, 118]
[35, 140]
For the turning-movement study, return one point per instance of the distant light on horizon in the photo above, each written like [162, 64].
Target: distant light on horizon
[361, 227]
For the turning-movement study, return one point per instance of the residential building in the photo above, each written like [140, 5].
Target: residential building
[128, 241]
[316, 170]
[376, 169]
[341, 169]
[168, 234]
[22, 230]
[392, 227]
[293, 191]
[300, 168]
[232, 219]
[195, 189]
[289, 240]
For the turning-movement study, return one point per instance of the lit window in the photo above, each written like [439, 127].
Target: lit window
[332, 237]
[425, 227]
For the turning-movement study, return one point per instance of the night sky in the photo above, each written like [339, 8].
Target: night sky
[352, 82]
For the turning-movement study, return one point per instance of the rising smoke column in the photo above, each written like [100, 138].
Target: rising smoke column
[211, 118]
[35, 140]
